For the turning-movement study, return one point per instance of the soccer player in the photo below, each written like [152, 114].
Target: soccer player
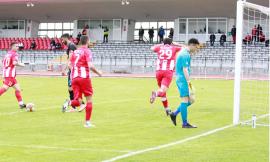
[183, 82]
[165, 69]
[70, 48]
[81, 64]
[10, 62]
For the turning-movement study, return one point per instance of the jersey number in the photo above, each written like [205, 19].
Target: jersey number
[167, 53]
[7, 62]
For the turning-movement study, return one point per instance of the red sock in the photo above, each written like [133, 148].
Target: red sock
[2, 91]
[165, 102]
[75, 103]
[18, 96]
[88, 111]
[161, 94]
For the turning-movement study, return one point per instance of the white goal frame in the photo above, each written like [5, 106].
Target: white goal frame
[241, 4]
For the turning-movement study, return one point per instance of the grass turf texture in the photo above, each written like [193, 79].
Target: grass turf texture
[125, 122]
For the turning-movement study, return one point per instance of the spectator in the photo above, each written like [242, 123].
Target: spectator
[254, 34]
[267, 43]
[106, 35]
[171, 33]
[262, 37]
[79, 37]
[233, 33]
[21, 46]
[212, 39]
[53, 44]
[58, 46]
[259, 32]
[161, 33]
[33, 45]
[219, 31]
[141, 33]
[222, 39]
[84, 32]
[151, 34]
[248, 39]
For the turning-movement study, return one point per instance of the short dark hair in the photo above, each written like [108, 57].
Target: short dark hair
[66, 35]
[12, 44]
[167, 41]
[84, 40]
[193, 41]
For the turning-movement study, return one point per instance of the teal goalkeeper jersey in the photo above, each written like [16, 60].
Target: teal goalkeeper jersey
[182, 61]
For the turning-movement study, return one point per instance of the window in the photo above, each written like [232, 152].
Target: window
[21, 25]
[95, 24]
[3, 24]
[196, 26]
[182, 26]
[82, 24]
[149, 25]
[53, 30]
[107, 23]
[217, 26]
[13, 25]
[117, 24]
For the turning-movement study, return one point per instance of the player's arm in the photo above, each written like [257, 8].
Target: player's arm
[16, 63]
[93, 68]
[155, 47]
[185, 70]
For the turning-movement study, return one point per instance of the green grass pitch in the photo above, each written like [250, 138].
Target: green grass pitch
[125, 122]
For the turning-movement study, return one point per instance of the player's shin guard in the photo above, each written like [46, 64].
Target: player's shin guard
[88, 111]
[75, 103]
[2, 91]
[19, 97]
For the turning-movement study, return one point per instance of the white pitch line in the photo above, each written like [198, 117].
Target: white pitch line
[172, 143]
[64, 148]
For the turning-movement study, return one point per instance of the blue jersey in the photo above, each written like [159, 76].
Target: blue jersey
[182, 61]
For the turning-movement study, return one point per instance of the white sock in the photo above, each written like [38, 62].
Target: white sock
[21, 103]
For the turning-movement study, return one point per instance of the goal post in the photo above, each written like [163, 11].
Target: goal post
[256, 67]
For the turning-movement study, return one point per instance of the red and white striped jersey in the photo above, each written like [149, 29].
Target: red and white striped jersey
[79, 62]
[9, 69]
[166, 56]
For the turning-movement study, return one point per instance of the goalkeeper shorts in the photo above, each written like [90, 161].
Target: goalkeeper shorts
[183, 88]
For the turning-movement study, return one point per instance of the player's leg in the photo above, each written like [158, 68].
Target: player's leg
[165, 84]
[160, 92]
[18, 94]
[6, 84]
[77, 95]
[87, 90]
[70, 90]
[88, 112]
[3, 89]
[184, 94]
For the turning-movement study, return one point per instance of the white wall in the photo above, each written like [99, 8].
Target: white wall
[128, 28]
[12, 33]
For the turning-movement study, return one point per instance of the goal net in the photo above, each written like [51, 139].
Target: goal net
[251, 91]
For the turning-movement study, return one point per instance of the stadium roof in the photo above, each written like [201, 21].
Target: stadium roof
[67, 10]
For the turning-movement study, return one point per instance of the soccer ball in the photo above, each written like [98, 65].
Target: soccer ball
[30, 107]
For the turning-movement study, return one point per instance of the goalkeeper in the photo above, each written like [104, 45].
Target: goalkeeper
[183, 82]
